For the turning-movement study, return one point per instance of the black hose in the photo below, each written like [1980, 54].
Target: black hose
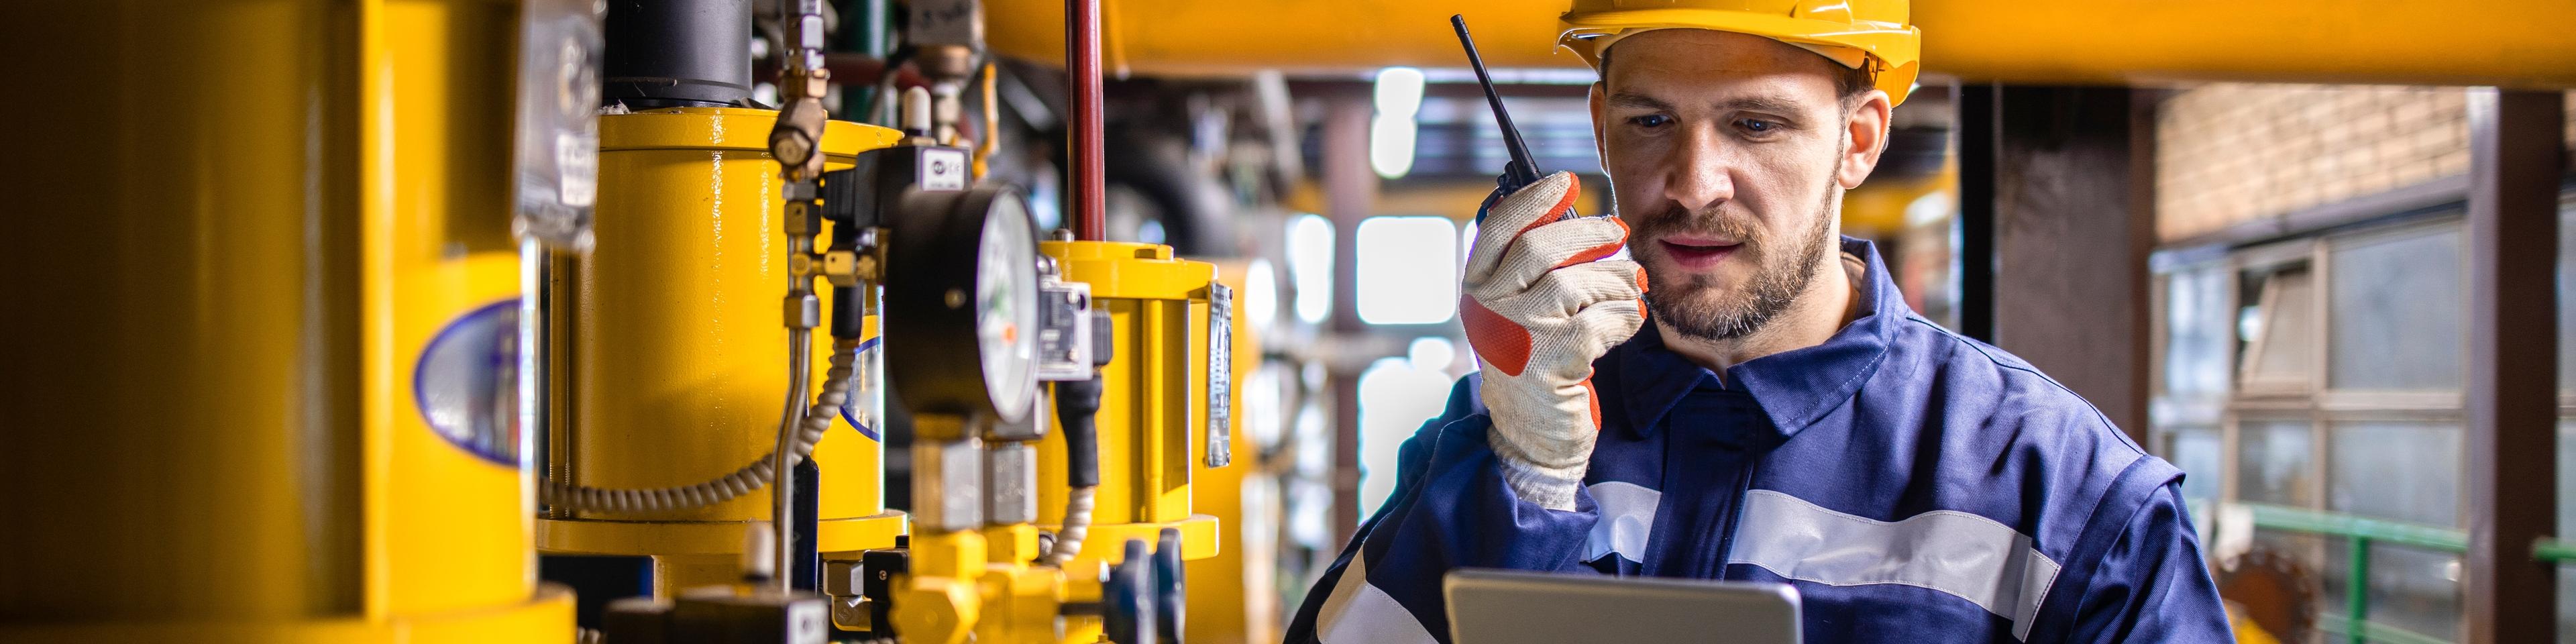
[1076, 401]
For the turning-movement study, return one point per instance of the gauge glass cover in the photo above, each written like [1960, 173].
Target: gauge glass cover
[1006, 301]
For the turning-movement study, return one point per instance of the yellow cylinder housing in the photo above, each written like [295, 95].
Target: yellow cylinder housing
[1153, 397]
[671, 349]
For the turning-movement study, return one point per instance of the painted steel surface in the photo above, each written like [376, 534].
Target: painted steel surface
[1152, 405]
[676, 350]
[453, 519]
[1229, 597]
[1153, 391]
[275, 211]
[2515, 43]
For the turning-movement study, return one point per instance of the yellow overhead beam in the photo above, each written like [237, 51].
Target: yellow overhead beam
[2520, 43]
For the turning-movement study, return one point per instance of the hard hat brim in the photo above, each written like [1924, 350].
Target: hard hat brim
[1893, 49]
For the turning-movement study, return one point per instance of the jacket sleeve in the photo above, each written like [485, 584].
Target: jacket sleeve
[2153, 585]
[1450, 509]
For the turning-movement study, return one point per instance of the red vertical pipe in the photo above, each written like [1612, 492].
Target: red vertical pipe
[1082, 76]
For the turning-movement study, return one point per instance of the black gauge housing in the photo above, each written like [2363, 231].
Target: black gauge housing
[944, 336]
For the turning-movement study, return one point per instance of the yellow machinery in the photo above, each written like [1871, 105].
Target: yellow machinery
[261, 310]
[291, 388]
[1155, 394]
[970, 570]
[2512, 43]
[669, 368]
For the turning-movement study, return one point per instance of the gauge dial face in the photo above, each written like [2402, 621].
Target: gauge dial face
[1006, 306]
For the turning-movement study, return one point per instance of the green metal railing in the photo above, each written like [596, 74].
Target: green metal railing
[2554, 551]
[2362, 532]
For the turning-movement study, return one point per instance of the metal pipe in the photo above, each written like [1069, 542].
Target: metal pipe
[855, 70]
[1082, 80]
[782, 497]
[796, 141]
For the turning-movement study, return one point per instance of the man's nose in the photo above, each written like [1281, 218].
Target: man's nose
[1701, 170]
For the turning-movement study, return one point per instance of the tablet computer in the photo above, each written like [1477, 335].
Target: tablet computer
[1520, 607]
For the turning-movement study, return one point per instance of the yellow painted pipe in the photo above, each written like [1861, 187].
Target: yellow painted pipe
[2519, 43]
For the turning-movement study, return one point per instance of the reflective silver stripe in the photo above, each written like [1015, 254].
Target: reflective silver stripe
[1360, 613]
[1627, 518]
[1962, 554]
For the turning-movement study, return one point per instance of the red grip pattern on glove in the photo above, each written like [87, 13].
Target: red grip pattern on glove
[1498, 340]
[1604, 250]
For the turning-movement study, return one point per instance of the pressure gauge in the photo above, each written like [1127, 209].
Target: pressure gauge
[962, 304]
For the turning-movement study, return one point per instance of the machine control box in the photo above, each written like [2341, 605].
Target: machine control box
[862, 194]
[1070, 343]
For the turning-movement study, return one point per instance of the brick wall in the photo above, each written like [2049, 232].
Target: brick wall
[2231, 152]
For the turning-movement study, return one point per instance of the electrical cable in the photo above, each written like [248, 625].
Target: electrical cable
[1076, 404]
[1077, 526]
[816, 420]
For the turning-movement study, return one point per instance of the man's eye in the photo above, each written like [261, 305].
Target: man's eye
[1651, 120]
[1757, 126]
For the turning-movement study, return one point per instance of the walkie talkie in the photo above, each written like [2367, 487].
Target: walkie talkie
[1523, 170]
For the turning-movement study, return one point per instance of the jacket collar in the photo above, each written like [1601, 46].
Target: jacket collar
[1794, 388]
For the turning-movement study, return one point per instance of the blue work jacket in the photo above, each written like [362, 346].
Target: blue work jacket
[1912, 484]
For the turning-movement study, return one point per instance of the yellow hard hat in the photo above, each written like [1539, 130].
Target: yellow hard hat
[1851, 32]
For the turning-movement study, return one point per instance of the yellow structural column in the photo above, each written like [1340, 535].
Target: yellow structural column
[674, 361]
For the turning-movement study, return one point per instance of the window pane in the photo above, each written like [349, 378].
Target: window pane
[1310, 266]
[2416, 590]
[2407, 471]
[2197, 451]
[2566, 295]
[2196, 327]
[2308, 551]
[2566, 430]
[2396, 306]
[2274, 462]
[1396, 397]
[1412, 269]
[2280, 330]
[2566, 603]
[2566, 480]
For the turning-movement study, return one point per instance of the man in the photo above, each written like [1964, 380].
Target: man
[1782, 416]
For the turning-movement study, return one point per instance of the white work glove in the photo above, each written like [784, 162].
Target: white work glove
[1538, 310]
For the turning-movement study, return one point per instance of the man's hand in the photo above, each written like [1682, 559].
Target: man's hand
[1538, 310]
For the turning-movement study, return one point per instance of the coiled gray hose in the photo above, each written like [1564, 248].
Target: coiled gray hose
[1077, 525]
[818, 419]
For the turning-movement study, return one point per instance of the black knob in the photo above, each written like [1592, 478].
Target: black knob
[1127, 598]
[1168, 593]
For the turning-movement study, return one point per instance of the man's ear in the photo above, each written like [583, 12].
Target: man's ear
[1865, 126]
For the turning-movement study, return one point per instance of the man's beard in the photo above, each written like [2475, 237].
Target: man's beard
[1781, 273]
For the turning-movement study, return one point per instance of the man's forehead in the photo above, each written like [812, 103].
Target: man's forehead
[1700, 60]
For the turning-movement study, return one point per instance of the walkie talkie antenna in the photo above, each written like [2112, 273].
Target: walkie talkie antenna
[1523, 170]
